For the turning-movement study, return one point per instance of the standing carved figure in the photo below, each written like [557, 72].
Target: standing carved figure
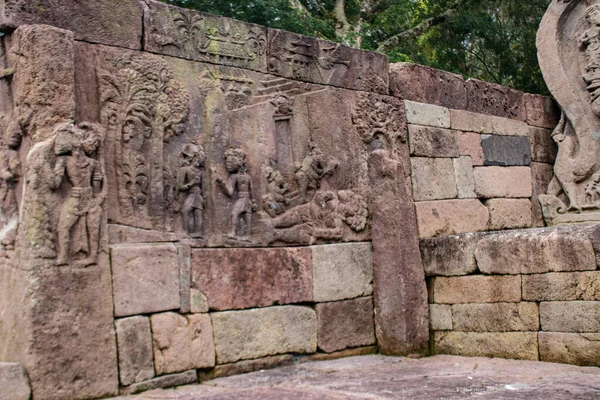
[84, 205]
[238, 184]
[190, 183]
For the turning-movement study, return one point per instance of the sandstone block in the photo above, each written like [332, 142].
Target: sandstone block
[542, 111]
[536, 251]
[145, 279]
[433, 179]
[182, 342]
[469, 144]
[165, 381]
[427, 115]
[342, 271]
[506, 151]
[243, 367]
[570, 348]
[570, 316]
[440, 317]
[515, 345]
[248, 334]
[496, 317]
[111, 22]
[509, 213]
[345, 324]
[543, 146]
[493, 99]
[491, 182]
[198, 302]
[185, 276]
[250, 278]
[541, 175]
[465, 181]
[14, 384]
[400, 293]
[428, 85]
[349, 68]
[477, 289]
[426, 141]
[562, 286]
[122, 234]
[134, 345]
[247, 48]
[449, 217]
[450, 255]
[481, 123]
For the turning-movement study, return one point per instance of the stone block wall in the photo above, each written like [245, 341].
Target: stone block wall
[524, 294]
[480, 153]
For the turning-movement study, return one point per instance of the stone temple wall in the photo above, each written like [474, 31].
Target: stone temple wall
[186, 196]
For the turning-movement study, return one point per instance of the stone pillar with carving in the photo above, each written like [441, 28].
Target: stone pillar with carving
[56, 296]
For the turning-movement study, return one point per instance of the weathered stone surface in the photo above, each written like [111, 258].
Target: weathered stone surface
[542, 145]
[184, 257]
[14, 384]
[427, 115]
[493, 99]
[496, 317]
[515, 345]
[570, 316]
[570, 348]
[243, 367]
[440, 317]
[344, 324]
[509, 213]
[491, 182]
[433, 179]
[112, 22]
[198, 302]
[542, 111]
[182, 342]
[122, 234]
[562, 286]
[465, 182]
[248, 334]
[401, 320]
[541, 175]
[424, 84]
[134, 345]
[342, 271]
[145, 279]
[449, 217]
[203, 37]
[450, 255]
[481, 123]
[477, 289]
[535, 251]
[426, 141]
[506, 151]
[250, 278]
[166, 381]
[308, 59]
[469, 144]
[359, 351]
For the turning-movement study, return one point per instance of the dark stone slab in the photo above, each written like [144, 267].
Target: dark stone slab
[428, 85]
[312, 60]
[111, 22]
[506, 150]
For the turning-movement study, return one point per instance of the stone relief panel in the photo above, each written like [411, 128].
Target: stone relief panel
[202, 37]
[308, 59]
[568, 47]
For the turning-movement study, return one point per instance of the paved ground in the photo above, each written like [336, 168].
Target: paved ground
[378, 377]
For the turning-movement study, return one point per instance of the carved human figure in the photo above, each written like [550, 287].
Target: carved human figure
[275, 201]
[589, 42]
[313, 169]
[190, 184]
[239, 184]
[10, 170]
[74, 162]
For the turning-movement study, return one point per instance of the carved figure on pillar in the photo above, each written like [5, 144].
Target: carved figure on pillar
[190, 184]
[80, 216]
[10, 173]
[239, 186]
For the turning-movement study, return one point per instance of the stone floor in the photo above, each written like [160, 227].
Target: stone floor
[378, 377]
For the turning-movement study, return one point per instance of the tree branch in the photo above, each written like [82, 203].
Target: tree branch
[421, 28]
[297, 5]
[339, 14]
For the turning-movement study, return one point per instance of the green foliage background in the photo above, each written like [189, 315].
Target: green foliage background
[492, 40]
